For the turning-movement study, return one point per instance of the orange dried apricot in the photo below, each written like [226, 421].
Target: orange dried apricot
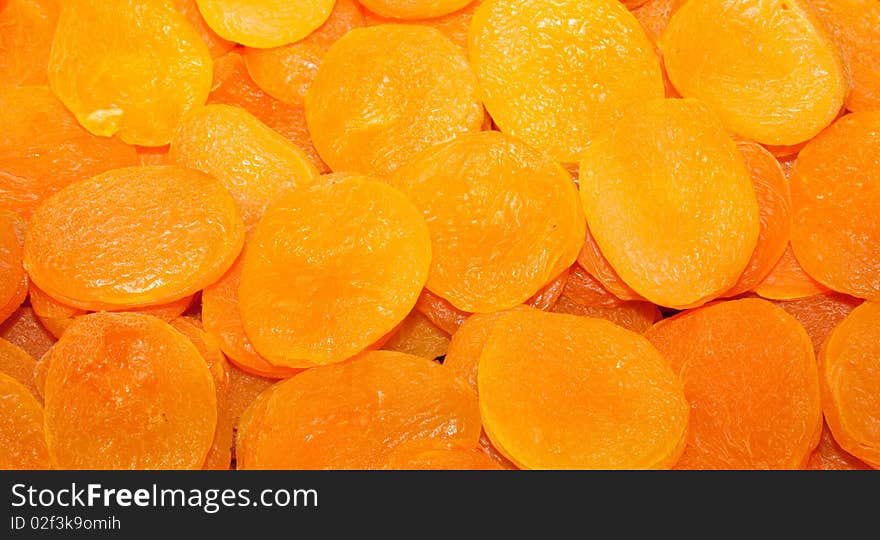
[51, 313]
[835, 192]
[406, 458]
[408, 9]
[127, 391]
[332, 268]
[453, 25]
[402, 398]
[820, 313]
[829, 456]
[553, 71]
[788, 281]
[774, 212]
[385, 92]
[419, 337]
[233, 86]
[669, 202]
[244, 388]
[286, 72]
[504, 218]
[254, 162]
[216, 44]
[43, 149]
[854, 26]
[25, 330]
[583, 295]
[13, 280]
[22, 445]
[264, 23]
[26, 39]
[163, 233]
[750, 376]
[631, 412]
[144, 71]
[18, 364]
[850, 382]
[590, 258]
[767, 67]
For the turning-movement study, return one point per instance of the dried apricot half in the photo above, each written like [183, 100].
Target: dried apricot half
[26, 39]
[132, 67]
[385, 92]
[788, 281]
[504, 218]
[128, 391]
[552, 71]
[768, 67]
[408, 9]
[22, 444]
[750, 376]
[669, 202]
[835, 192]
[851, 382]
[390, 398]
[135, 236]
[264, 23]
[12, 275]
[25, 330]
[631, 412]
[332, 268]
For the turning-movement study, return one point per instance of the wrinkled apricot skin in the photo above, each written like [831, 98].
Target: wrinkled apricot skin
[788, 281]
[504, 219]
[26, 39]
[669, 202]
[24, 329]
[264, 23]
[18, 364]
[331, 269]
[404, 399]
[819, 313]
[851, 384]
[632, 414]
[383, 93]
[174, 230]
[552, 72]
[22, 445]
[453, 25]
[145, 72]
[128, 391]
[750, 376]
[254, 162]
[781, 89]
[835, 189]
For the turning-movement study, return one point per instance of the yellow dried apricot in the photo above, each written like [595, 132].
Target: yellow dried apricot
[146, 67]
[553, 71]
[409, 9]
[264, 23]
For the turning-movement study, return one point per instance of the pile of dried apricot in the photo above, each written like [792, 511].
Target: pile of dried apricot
[440, 234]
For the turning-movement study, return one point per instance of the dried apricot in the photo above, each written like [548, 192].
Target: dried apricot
[233, 86]
[788, 281]
[407, 9]
[13, 279]
[774, 212]
[25, 330]
[553, 71]
[835, 192]
[504, 218]
[583, 295]
[453, 25]
[244, 388]
[254, 162]
[750, 376]
[127, 391]
[216, 44]
[22, 445]
[854, 26]
[829, 456]
[851, 382]
[144, 71]
[332, 268]
[163, 233]
[669, 202]
[767, 67]
[43, 148]
[396, 397]
[590, 258]
[820, 313]
[419, 337]
[385, 92]
[264, 23]
[286, 72]
[631, 412]
[18, 364]
[440, 459]
[26, 39]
